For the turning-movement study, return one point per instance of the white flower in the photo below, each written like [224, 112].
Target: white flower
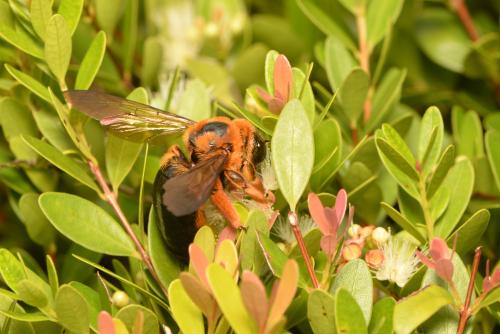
[283, 231]
[267, 173]
[399, 263]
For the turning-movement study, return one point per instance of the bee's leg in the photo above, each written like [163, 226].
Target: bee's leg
[222, 202]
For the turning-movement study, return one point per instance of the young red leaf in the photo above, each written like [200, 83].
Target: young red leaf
[199, 262]
[254, 297]
[340, 205]
[105, 323]
[284, 293]
[317, 211]
[200, 295]
[282, 79]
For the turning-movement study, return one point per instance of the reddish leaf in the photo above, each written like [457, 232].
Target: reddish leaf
[492, 281]
[199, 262]
[275, 105]
[340, 205]
[425, 260]
[264, 95]
[105, 323]
[444, 269]
[333, 222]
[439, 249]
[328, 244]
[138, 323]
[200, 295]
[254, 297]
[317, 211]
[284, 293]
[282, 78]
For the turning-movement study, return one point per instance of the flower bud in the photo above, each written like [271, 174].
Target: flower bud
[211, 29]
[380, 235]
[351, 252]
[354, 230]
[374, 258]
[120, 299]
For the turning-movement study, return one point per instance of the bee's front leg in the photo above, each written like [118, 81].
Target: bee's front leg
[222, 202]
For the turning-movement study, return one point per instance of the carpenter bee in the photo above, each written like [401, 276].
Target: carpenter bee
[222, 158]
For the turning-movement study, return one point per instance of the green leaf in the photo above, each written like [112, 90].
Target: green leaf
[470, 232]
[61, 161]
[205, 239]
[13, 272]
[328, 25]
[166, 267]
[468, 133]
[437, 177]
[129, 30]
[348, 316]
[403, 222]
[269, 70]
[13, 32]
[40, 12]
[430, 139]
[412, 311]
[443, 38]
[29, 82]
[354, 6]
[39, 228]
[71, 10]
[353, 93]
[16, 119]
[292, 148]
[328, 151]
[129, 313]
[91, 62]
[307, 99]
[321, 312]
[382, 316]
[58, 46]
[194, 103]
[380, 18]
[186, 314]
[52, 274]
[86, 224]
[108, 12]
[71, 310]
[385, 96]
[356, 279]
[121, 155]
[491, 298]
[229, 299]
[92, 299]
[396, 164]
[460, 182]
[31, 294]
[339, 62]
[25, 317]
[492, 138]
[251, 257]
[51, 128]
[151, 64]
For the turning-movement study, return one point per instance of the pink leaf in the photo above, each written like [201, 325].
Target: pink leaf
[254, 297]
[282, 78]
[285, 291]
[444, 269]
[199, 262]
[276, 105]
[425, 260]
[264, 95]
[105, 323]
[340, 205]
[492, 281]
[317, 212]
[328, 244]
[439, 249]
[333, 223]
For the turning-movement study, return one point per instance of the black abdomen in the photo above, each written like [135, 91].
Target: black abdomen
[177, 232]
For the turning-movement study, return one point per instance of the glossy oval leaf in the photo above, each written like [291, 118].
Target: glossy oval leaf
[412, 311]
[71, 10]
[91, 62]
[61, 161]
[186, 314]
[194, 103]
[430, 139]
[71, 310]
[470, 232]
[353, 93]
[348, 316]
[492, 138]
[129, 314]
[58, 46]
[380, 18]
[355, 278]
[321, 312]
[437, 177]
[382, 316]
[292, 148]
[228, 297]
[29, 82]
[339, 62]
[39, 228]
[40, 11]
[86, 224]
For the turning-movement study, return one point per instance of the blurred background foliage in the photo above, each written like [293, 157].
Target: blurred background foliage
[206, 57]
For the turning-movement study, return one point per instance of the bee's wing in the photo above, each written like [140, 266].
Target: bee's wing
[128, 119]
[185, 193]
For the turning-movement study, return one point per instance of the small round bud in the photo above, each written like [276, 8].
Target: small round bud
[366, 231]
[237, 23]
[374, 258]
[380, 235]
[354, 230]
[351, 252]
[120, 299]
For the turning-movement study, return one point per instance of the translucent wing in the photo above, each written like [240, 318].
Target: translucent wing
[185, 193]
[131, 120]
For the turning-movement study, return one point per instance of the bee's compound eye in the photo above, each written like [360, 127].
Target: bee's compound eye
[259, 150]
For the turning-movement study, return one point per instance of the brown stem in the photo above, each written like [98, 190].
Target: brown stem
[465, 312]
[293, 219]
[364, 57]
[110, 197]
[463, 14]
